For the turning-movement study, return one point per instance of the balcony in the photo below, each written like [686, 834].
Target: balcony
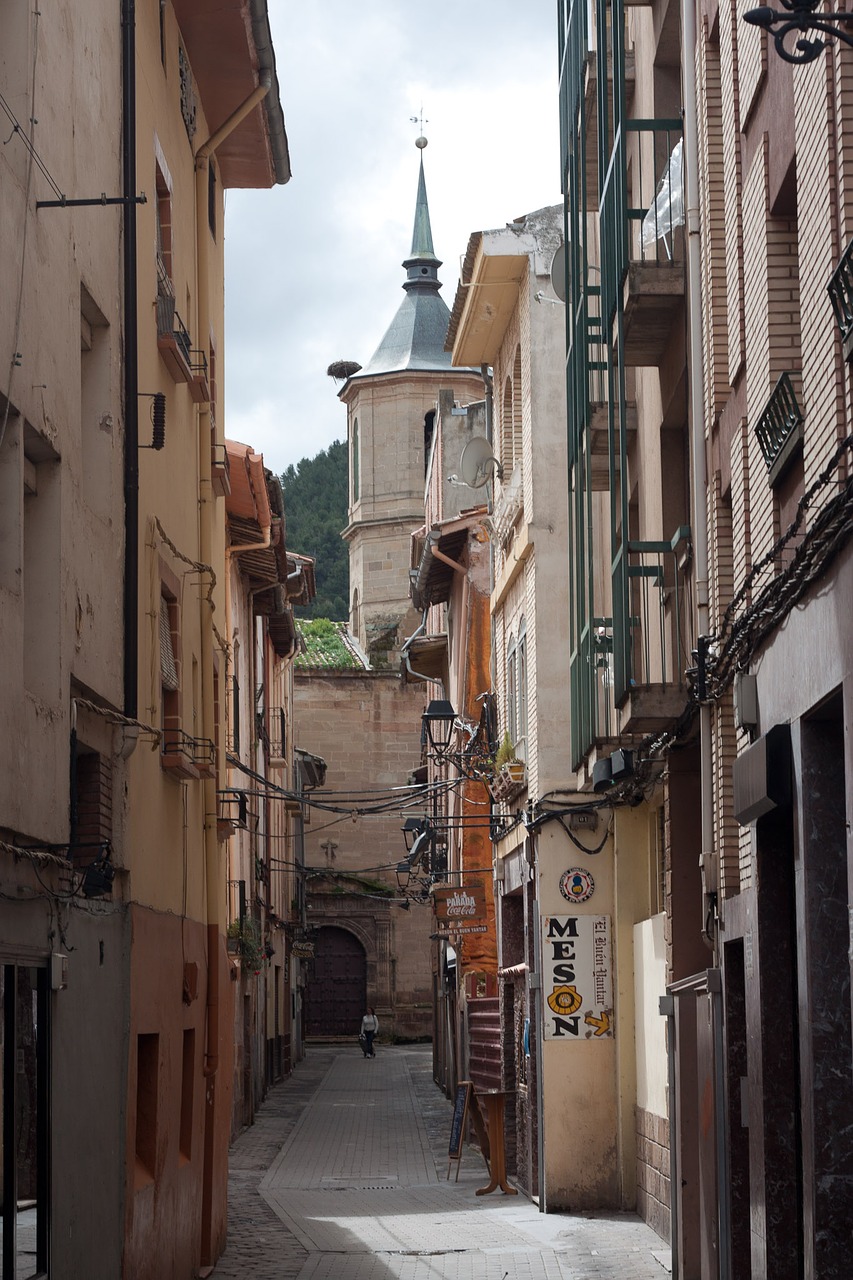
[779, 430]
[220, 470]
[840, 290]
[233, 813]
[591, 114]
[199, 382]
[276, 736]
[187, 758]
[173, 340]
[650, 646]
[642, 242]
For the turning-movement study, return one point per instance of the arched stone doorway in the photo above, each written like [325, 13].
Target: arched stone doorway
[336, 990]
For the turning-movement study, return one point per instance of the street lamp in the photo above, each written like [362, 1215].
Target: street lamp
[412, 828]
[439, 721]
[802, 16]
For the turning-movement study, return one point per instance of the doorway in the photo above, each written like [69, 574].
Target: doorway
[336, 989]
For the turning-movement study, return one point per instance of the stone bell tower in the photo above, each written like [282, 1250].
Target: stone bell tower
[390, 407]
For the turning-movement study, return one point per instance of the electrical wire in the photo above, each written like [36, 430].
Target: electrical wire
[32, 157]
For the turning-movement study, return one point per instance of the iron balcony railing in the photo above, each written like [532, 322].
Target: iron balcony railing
[841, 295]
[277, 732]
[170, 325]
[642, 645]
[779, 430]
[639, 221]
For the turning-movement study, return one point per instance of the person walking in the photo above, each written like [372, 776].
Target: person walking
[369, 1028]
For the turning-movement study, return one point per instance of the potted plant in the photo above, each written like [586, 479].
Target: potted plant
[243, 939]
[509, 772]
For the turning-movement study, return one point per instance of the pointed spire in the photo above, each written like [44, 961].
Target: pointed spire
[422, 264]
[422, 232]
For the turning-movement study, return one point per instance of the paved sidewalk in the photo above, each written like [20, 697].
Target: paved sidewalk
[344, 1177]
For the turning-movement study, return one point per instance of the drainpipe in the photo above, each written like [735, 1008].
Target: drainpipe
[206, 528]
[708, 863]
[404, 652]
[131, 371]
[699, 476]
[487, 382]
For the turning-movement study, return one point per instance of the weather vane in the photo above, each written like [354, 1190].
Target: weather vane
[420, 141]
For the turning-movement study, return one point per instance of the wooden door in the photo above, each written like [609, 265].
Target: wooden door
[336, 990]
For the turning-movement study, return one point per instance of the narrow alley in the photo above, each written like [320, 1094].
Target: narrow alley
[344, 1177]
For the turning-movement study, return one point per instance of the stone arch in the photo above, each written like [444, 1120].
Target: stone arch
[369, 921]
[336, 991]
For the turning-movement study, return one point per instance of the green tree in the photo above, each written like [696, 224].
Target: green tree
[315, 512]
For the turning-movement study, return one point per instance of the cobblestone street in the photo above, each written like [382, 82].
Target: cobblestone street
[344, 1175]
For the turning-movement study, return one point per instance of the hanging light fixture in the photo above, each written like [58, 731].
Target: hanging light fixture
[439, 721]
[801, 16]
[412, 828]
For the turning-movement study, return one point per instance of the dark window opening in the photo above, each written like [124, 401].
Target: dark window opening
[429, 432]
[187, 1095]
[147, 1070]
[24, 1224]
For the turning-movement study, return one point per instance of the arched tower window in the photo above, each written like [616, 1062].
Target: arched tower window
[355, 462]
[429, 432]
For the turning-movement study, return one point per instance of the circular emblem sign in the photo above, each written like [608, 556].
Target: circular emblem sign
[577, 885]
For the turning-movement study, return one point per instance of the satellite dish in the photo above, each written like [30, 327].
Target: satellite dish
[558, 273]
[477, 463]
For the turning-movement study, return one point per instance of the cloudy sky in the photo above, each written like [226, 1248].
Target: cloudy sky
[313, 269]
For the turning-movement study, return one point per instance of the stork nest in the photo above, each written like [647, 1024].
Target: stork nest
[340, 370]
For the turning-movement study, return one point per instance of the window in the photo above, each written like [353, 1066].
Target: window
[235, 715]
[91, 803]
[429, 435]
[24, 1009]
[11, 498]
[163, 33]
[181, 754]
[147, 1071]
[521, 661]
[163, 211]
[356, 613]
[170, 684]
[507, 457]
[41, 567]
[187, 1096]
[96, 421]
[354, 469]
[512, 689]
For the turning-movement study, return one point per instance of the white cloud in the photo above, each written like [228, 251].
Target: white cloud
[314, 268]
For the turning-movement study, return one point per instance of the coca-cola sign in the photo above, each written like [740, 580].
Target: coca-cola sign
[460, 904]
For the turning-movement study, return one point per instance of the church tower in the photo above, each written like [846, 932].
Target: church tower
[390, 409]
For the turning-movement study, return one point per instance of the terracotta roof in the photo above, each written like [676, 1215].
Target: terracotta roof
[328, 646]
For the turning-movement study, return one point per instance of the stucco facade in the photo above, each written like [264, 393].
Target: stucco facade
[113, 914]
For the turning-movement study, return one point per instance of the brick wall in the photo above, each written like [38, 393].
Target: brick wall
[653, 1182]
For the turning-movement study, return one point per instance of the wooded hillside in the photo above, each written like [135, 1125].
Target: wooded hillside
[315, 507]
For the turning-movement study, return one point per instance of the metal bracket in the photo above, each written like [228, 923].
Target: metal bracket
[103, 198]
